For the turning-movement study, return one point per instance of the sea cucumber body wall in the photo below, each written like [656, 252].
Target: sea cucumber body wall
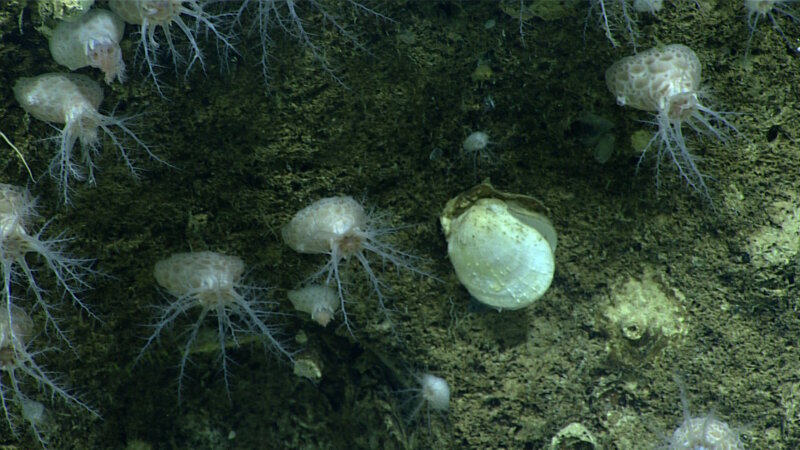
[321, 226]
[73, 100]
[665, 80]
[212, 283]
[61, 98]
[93, 40]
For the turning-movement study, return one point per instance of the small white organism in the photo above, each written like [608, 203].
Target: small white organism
[431, 393]
[340, 228]
[666, 81]
[477, 147]
[703, 432]
[151, 15]
[73, 100]
[758, 9]
[17, 366]
[92, 40]
[212, 283]
[435, 392]
[18, 244]
[321, 301]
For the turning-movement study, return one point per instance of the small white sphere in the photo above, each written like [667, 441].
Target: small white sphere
[435, 392]
[321, 301]
[476, 142]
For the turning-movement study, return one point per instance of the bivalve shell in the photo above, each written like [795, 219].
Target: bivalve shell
[502, 249]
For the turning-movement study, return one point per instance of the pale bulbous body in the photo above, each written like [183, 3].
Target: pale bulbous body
[327, 225]
[477, 146]
[341, 228]
[92, 40]
[17, 207]
[430, 394]
[321, 301]
[73, 100]
[16, 329]
[650, 79]
[702, 432]
[476, 142]
[211, 283]
[62, 98]
[770, 9]
[435, 392]
[705, 433]
[210, 277]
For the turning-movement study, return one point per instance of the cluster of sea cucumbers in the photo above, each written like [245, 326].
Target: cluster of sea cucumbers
[209, 297]
[202, 283]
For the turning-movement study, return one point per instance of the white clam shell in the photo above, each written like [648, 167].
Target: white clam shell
[502, 251]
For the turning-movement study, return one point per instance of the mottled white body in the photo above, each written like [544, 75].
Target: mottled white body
[16, 329]
[760, 6]
[62, 98]
[72, 100]
[16, 209]
[476, 146]
[321, 301]
[431, 394]
[651, 79]
[666, 80]
[705, 433]
[212, 283]
[92, 40]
